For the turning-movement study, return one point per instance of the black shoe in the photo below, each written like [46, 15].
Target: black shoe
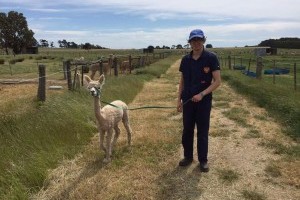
[185, 162]
[204, 167]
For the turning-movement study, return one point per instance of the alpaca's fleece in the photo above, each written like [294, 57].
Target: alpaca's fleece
[112, 115]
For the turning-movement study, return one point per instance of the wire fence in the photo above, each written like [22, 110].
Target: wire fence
[279, 71]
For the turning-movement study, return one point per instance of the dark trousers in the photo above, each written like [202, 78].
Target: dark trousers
[196, 114]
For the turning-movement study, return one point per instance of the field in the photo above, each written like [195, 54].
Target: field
[39, 136]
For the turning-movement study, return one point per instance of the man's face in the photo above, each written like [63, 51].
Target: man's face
[197, 43]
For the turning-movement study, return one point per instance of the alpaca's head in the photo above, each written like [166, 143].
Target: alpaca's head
[94, 86]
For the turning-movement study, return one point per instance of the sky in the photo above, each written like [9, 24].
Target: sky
[134, 24]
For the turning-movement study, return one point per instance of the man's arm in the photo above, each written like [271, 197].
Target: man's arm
[180, 88]
[215, 84]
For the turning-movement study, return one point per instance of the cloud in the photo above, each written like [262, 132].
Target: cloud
[139, 23]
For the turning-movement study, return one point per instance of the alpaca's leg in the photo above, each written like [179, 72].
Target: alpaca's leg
[129, 131]
[117, 133]
[102, 133]
[127, 126]
[108, 146]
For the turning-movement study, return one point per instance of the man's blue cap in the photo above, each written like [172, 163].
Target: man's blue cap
[196, 33]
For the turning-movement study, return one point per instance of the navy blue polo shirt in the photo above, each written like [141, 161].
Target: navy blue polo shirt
[197, 74]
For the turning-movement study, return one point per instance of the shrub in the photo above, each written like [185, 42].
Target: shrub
[2, 61]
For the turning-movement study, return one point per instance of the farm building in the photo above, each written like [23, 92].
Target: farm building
[263, 51]
[30, 50]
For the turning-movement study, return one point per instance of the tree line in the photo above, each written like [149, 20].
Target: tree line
[72, 45]
[285, 43]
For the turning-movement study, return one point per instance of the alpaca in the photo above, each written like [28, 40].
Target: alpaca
[96, 67]
[125, 67]
[108, 117]
[79, 59]
[77, 80]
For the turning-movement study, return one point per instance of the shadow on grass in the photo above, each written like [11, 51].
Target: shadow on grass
[90, 170]
[181, 183]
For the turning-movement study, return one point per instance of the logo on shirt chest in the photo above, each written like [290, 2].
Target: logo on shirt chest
[206, 70]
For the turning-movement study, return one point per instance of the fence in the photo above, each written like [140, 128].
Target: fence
[254, 67]
[142, 60]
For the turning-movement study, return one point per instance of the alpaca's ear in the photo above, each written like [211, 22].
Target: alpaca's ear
[102, 79]
[87, 78]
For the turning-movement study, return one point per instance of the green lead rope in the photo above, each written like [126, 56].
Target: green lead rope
[143, 107]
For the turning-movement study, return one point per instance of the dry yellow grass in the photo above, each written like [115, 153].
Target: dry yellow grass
[144, 171]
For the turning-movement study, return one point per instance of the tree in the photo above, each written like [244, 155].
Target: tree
[44, 43]
[150, 47]
[72, 45]
[87, 46]
[209, 46]
[63, 43]
[179, 46]
[14, 32]
[187, 46]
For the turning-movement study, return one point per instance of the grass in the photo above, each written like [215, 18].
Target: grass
[228, 175]
[238, 114]
[253, 195]
[279, 148]
[252, 133]
[281, 102]
[37, 138]
[273, 170]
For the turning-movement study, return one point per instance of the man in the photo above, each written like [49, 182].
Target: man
[200, 76]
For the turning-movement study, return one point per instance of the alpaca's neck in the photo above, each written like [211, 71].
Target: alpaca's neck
[97, 109]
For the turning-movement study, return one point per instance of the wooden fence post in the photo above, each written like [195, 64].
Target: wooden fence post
[74, 79]
[259, 67]
[130, 63]
[69, 75]
[115, 65]
[82, 71]
[295, 77]
[42, 83]
[229, 62]
[110, 62]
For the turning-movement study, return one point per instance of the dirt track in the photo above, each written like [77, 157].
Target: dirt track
[237, 130]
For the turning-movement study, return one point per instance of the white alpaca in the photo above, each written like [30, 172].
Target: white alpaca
[77, 80]
[108, 117]
[79, 59]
